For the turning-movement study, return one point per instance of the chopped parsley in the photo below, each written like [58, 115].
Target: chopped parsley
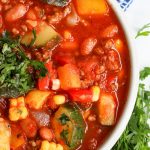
[15, 79]
[145, 73]
[136, 135]
[34, 38]
[144, 31]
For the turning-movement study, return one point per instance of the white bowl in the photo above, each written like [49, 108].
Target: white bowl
[134, 77]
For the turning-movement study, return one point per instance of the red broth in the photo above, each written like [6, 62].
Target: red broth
[89, 65]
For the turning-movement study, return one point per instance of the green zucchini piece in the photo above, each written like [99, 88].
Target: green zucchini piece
[60, 3]
[44, 34]
[69, 126]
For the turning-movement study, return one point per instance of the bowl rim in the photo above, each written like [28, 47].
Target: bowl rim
[134, 78]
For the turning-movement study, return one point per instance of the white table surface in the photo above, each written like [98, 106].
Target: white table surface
[138, 15]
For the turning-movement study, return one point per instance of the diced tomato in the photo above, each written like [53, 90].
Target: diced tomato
[49, 66]
[64, 59]
[31, 15]
[29, 127]
[69, 77]
[69, 46]
[16, 12]
[44, 83]
[81, 95]
[107, 107]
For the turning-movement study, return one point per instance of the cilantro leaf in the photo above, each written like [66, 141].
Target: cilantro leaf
[34, 38]
[144, 31]
[136, 134]
[15, 79]
[144, 73]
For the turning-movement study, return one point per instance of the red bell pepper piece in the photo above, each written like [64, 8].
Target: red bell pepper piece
[44, 83]
[81, 95]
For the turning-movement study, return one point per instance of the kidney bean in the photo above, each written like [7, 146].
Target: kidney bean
[110, 31]
[31, 15]
[29, 127]
[16, 12]
[88, 45]
[46, 133]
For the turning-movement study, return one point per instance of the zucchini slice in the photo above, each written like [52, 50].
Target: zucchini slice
[69, 126]
[44, 34]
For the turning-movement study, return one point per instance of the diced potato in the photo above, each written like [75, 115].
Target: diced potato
[5, 133]
[69, 77]
[107, 107]
[59, 99]
[17, 141]
[36, 98]
[44, 34]
[91, 7]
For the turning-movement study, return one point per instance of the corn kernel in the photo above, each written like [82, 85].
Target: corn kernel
[17, 110]
[96, 93]
[119, 45]
[68, 35]
[50, 146]
[59, 99]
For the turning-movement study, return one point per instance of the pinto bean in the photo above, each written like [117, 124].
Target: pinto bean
[110, 31]
[29, 127]
[31, 15]
[16, 12]
[88, 45]
[46, 133]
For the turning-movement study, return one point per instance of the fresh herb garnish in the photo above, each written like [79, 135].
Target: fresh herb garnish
[64, 119]
[144, 73]
[34, 38]
[15, 79]
[136, 135]
[144, 31]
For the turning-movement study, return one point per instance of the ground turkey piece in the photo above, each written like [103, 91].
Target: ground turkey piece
[90, 70]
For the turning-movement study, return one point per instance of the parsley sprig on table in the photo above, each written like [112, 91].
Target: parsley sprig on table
[144, 31]
[15, 79]
[136, 135]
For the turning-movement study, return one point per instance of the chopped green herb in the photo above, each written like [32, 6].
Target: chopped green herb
[64, 119]
[34, 38]
[15, 80]
[144, 73]
[136, 135]
[144, 31]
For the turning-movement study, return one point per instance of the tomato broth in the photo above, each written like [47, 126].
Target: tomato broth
[65, 74]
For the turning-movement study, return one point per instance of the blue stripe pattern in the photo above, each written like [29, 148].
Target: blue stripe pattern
[124, 4]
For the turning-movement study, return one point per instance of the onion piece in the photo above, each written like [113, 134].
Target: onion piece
[42, 118]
